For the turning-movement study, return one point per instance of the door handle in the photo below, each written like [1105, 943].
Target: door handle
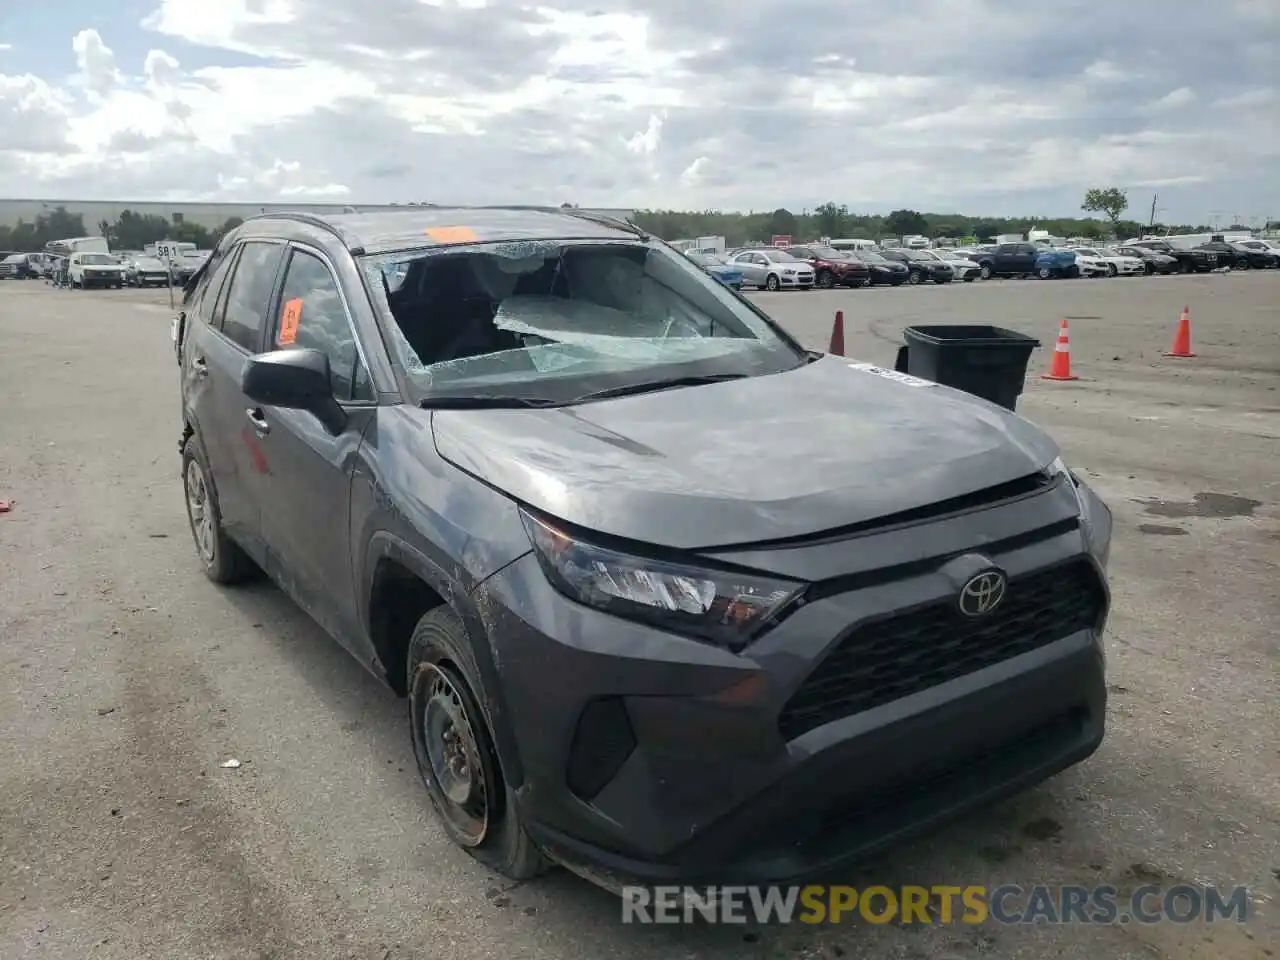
[200, 367]
[259, 421]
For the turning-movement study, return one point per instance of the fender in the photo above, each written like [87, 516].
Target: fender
[384, 545]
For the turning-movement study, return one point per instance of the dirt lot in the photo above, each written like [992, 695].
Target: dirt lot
[127, 678]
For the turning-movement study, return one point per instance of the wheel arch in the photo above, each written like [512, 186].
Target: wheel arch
[400, 584]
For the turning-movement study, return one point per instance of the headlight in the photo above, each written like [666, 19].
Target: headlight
[720, 607]
[1095, 515]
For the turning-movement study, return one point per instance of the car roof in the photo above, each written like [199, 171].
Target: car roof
[420, 227]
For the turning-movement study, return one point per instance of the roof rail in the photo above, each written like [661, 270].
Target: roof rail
[311, 220]
[598, 218]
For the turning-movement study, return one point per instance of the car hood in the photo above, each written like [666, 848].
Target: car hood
[746, 461]
[892, 265]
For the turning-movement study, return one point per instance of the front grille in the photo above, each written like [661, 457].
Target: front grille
[890, 658]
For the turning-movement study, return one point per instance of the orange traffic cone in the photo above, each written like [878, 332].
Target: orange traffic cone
[1182, 339]
[1060, 365]
[837, 335]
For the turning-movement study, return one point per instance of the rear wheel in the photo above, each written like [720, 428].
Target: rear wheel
[1044, 273]
[224, 561]
[1112, 270]
[454, 750]
[914, 277]
[1187, 266]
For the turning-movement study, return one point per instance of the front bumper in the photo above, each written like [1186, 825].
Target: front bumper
[798, 280]
[645, 757]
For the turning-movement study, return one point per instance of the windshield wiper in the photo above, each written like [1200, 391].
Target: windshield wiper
[650, 386]
[482, 400]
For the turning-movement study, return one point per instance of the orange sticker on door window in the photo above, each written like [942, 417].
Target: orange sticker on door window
[452, 234]
[289, 318]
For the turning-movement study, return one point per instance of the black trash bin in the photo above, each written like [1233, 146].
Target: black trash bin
[989, 362]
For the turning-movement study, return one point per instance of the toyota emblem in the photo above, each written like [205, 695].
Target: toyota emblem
[982, 593]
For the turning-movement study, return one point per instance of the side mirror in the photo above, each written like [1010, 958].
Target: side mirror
[294, 379]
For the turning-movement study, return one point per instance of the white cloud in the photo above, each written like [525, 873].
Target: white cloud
[656, 103]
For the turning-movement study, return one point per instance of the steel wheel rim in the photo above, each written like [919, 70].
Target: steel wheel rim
[453, 755]
[199, 511]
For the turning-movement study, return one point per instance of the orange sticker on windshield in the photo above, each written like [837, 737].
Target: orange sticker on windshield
[289, 318]
[452, 234]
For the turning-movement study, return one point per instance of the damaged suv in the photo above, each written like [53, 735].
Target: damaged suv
[669, 596]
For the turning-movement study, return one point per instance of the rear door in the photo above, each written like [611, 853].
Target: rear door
[216, 351]
[306, 515]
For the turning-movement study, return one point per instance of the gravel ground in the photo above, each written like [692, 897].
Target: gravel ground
[127, 678]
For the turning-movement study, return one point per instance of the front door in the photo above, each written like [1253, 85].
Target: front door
[306, 512]
[229, 326]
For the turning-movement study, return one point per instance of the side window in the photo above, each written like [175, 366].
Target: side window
[213, 287]
[249, 293]
[312, 316]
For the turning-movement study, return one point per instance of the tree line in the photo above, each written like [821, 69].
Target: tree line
[131, 231]
[835, 220]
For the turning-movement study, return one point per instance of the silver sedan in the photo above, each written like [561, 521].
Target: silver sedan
[770, 269]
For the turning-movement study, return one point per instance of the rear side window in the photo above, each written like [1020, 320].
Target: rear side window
[312, 316]
[212, 287]
[249, 295]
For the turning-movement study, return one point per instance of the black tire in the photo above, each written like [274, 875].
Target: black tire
[984, 271]
[1187, 266]
[825, 280]
[442, 682]
[1044, 273]
[772, 283]
[914, 278]
[223, 560]
[1112, 270]
[864, 282]
[1149, 268]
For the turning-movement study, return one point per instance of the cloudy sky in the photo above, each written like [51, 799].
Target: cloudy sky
[1003, 107]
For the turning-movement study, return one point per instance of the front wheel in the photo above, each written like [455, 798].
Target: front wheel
[825, 280]
[772, 283]
[454, 750]
[1112, 270]
[914, 278]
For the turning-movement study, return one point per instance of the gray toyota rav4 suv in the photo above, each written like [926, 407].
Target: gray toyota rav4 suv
[670, 597]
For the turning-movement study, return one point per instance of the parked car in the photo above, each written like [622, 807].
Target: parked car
[1189, 261]
[1118, 264]
[17, 266]
[771, 268]
[1238, 256]
[884, 272]
[718, 267]
[1090, 264]
[185, 266]
[961, 266]
[1008, 260]
[142, 271]
[634, 637]
[1058, 263]
[1152, 261]
[1263, 247]
[85, 270]
[831, 267]
[921, 265]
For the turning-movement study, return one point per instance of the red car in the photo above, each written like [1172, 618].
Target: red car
[831, 267]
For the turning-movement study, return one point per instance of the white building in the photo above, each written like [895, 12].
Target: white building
[209, 215]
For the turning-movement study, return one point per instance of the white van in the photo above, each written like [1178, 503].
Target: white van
[853, 244]
[86, 270]
[65, 248]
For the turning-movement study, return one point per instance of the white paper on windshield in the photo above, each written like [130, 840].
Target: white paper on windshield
[906, 378]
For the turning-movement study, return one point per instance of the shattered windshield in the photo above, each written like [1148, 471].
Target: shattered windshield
[554, 319]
